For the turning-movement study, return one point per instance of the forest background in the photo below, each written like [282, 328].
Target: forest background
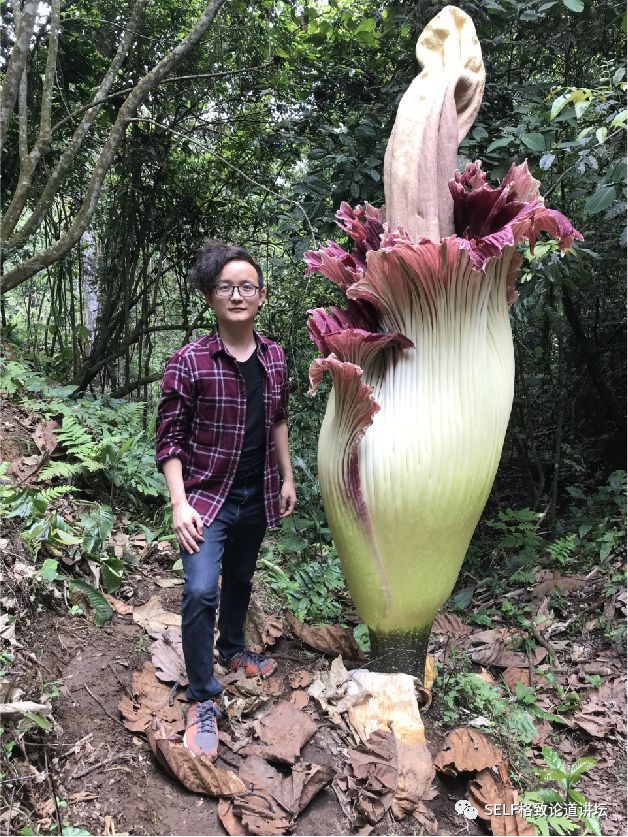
[131, 133]
[256, 136]
[130, 136]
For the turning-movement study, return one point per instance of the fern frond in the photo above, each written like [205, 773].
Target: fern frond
[562, 549]
[49, 494]
[64, 470]
[91, 465]
[75, 440]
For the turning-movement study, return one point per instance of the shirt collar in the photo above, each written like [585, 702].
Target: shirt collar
[215, 343]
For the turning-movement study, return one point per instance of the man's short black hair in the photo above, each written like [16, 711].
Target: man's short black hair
[210, 259]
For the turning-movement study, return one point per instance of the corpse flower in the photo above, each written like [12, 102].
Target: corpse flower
[421, 359]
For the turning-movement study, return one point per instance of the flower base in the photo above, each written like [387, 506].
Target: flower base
[400, 651]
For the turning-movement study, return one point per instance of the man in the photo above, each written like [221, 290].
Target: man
[222, 438]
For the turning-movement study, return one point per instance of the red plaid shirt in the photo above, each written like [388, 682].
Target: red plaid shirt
[201, 420]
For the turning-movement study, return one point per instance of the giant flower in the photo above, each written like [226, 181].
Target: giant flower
[421, 361]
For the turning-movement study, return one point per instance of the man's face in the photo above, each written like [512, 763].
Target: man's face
[234, 306]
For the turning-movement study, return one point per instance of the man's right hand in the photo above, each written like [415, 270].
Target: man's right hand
[187, 525]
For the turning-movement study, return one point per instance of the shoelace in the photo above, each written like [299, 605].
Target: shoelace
[206, 718]
[250, 657]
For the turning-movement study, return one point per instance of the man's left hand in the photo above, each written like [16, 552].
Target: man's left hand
[287, 499]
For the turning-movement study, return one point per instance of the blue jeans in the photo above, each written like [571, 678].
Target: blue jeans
[232, 541]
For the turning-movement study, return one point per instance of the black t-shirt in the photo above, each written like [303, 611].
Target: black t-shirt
[254, 444]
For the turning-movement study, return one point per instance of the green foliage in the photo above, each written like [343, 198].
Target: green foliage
[591, 530]
[599, 518]
[463, 693]
[561, 550]
[560, 810]
[100, 607]
[107, 452]
[305, 574]
[361, 634]
[518, 536]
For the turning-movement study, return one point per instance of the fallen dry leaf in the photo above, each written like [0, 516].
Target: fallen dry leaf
[240, 707]
[7, 629]
[513, 675]
[166, 583]
[330, 691]
[490, 636]
[300, 698]
[273, 686]
[293, 792]
[594, 719]
[466, 750]
[425, 818]
[167, 657]
[544, 730]
[26, 467]
[282, 733]
[448, 624]
[485, 675]
[566, 584]
[120, 607]
[109, 828]
[196, 773]
[430, 673]
[261, 629]
[379, 776]
[255, 813]
[366, 788]
[501, 657]
[490, 788]
[154, 618]
[229, 820]
[120, 541]
[300, 679]
[150, 702]
[44, 436]
[328, 639]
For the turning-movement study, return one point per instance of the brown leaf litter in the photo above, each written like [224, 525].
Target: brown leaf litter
[282, 733]
[300, 679]
[465, 750]
[118, 606]
[448, 624]
[154, 618]
[261, 629]
[496, 801]
[167, 657]
[44, 436]
[198, 774]
[332, 640]
[150, 702]
[565, 584]
[499, 656]
[330, 691]
[271, 802]
[373, 784]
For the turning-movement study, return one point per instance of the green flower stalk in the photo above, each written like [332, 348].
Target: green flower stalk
[421, 359]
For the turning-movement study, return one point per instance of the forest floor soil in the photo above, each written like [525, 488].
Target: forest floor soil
[106, 780]
[109, 775]
[109, 781]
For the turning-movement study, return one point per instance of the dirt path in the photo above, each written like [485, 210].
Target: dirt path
[111, 772]
[108, 778]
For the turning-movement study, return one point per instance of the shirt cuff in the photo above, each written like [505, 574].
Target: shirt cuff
[170, 452]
